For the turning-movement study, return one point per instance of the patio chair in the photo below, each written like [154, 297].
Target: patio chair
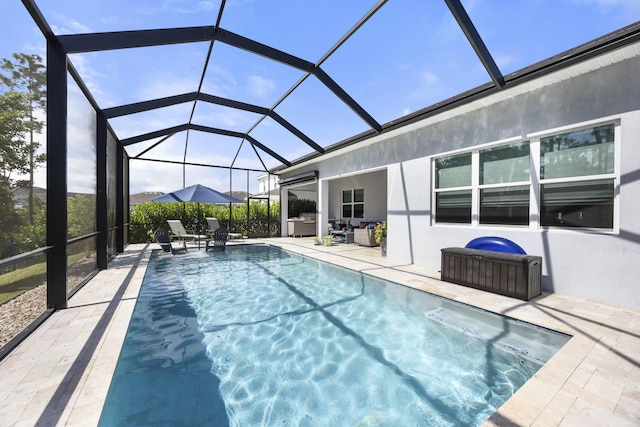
[219, 241]
[177, 229]
[364, 236]
[163, 239]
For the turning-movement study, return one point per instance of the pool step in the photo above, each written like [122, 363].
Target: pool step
[528, 341]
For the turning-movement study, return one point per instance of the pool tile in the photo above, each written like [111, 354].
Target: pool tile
[556, 410]
[585, 413]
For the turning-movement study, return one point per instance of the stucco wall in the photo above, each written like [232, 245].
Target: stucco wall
[600, 266]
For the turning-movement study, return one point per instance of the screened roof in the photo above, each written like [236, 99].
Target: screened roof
[258, 84]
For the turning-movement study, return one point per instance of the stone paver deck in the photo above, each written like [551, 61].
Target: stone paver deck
[60, 375]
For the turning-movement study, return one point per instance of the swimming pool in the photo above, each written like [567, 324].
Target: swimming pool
[259, 336]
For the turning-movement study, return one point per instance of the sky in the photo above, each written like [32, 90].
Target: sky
[409, 55]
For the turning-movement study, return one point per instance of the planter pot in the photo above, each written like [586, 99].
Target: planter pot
[383, 246]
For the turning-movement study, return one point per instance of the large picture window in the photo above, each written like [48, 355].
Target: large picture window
[494, 186]
[353, 203]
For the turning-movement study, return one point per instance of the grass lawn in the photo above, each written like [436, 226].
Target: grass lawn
[18, 281]
[21, 280]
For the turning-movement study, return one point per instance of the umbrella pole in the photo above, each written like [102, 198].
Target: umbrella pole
[198, 225]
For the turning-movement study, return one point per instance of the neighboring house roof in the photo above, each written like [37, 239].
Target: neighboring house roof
[273, 193]
[242, 195]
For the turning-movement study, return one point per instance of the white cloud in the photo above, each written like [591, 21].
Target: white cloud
[430, 79]
[505, 61]
[115, 20]
[198, 7]
[428, 83]
[69, 25]
[260, 86]
[89, 74]
[607, 3]
[219, 81]
[207, 5]
[160, 84]
[227, 117]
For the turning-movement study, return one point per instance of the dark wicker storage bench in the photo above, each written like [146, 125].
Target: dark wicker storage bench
[503, 273]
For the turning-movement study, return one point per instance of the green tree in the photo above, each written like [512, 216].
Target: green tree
[29, 237]
[9, 219]
[13, 159]
[27, 74]
[13, 148]
[81, 214]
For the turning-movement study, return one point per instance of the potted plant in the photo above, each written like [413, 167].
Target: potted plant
[380, 234]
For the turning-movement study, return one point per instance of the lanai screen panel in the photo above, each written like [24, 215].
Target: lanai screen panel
[81, 186]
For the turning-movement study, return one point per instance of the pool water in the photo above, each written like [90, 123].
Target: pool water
[257, 336]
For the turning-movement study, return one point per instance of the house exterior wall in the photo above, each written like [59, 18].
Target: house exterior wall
[594, 265]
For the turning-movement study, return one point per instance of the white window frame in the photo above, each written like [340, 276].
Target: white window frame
[535, 182]
[474, 182]
[353, 203]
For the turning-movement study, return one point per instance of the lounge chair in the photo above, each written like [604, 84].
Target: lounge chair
[164, 240]
[219, 241]
[177, 229]
[214, 225]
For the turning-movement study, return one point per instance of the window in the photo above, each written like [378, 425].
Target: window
[580, 166]
[353, 203]
[453, 206]
[494, 186]
[501, 201]
[509, 205]
[453, 189]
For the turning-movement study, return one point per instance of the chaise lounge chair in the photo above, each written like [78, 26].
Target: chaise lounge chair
[219, 241]
[214, 225]
[163, 239]
[177, 229]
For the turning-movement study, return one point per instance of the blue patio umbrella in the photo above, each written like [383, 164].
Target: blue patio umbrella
[196, 193]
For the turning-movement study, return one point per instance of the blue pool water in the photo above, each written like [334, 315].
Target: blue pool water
[256, 336]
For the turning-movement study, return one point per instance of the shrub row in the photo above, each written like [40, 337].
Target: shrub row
[146, 218]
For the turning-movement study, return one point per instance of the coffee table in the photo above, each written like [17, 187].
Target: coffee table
[348, 235]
